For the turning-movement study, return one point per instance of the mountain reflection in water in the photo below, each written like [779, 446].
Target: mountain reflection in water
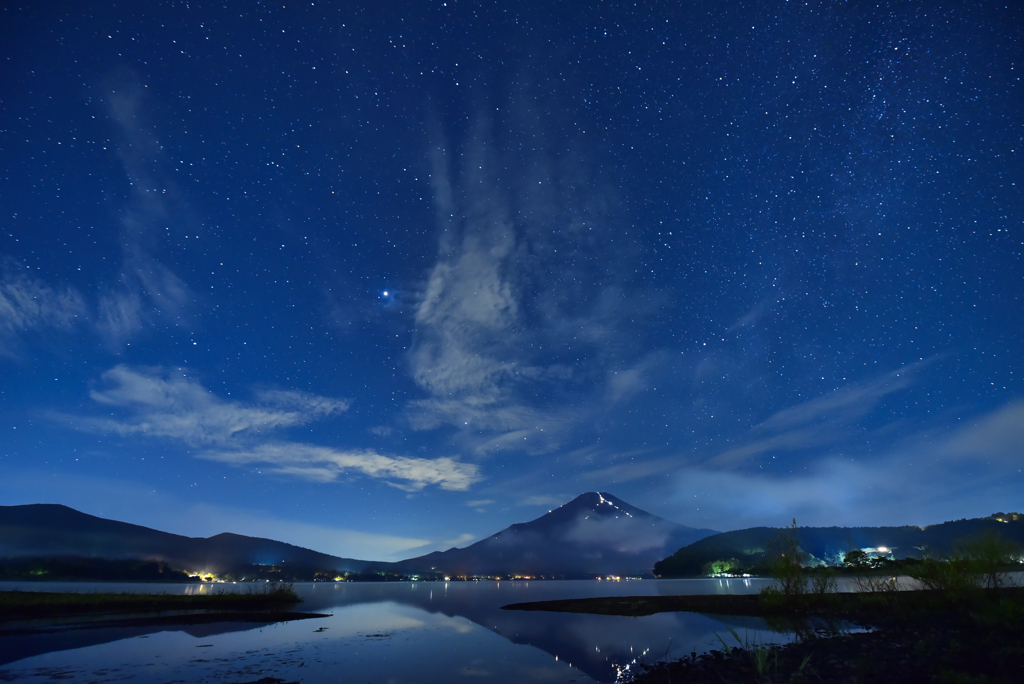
[416, 632]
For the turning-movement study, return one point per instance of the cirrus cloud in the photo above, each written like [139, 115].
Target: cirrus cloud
[30, 305]
[324, 464]
[170, 404]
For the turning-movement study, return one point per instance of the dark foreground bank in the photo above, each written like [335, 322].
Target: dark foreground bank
[24, 612]
[919, 636]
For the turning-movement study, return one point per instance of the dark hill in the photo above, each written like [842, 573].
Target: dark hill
[594, 534]
[827, 543]
[52, 530]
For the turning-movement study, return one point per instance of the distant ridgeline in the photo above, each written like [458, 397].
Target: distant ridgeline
[84, 569]
[596, 534]
[53, 542]
[745, 550]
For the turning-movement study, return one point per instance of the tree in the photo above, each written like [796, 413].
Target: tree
[786, 562]
[856, 559]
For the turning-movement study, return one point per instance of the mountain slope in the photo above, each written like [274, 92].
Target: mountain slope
[47, 530]
[594, 534]
[826, 543]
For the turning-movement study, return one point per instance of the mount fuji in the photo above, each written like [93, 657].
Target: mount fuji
[595, 534]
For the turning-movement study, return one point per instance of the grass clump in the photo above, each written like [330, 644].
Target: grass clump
[764, 658]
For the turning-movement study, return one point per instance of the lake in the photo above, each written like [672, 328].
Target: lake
[391, 632]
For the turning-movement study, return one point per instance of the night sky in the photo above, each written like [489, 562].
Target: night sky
[382, 279]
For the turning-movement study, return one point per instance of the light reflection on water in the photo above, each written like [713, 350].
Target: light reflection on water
[393, 632]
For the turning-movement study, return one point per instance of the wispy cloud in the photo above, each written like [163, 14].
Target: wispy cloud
[624, 383]
[476, 412]
[148, 293]
[461, 540]
[843, 404]
[324, 464]
[927, 477]
[308, 404]
[148, 290]
[821, 421]
[624, 536]
[469, 306]
[833, 491]
[515, 310]
[995, 437]
[119, 315]
[631, 470]
[28, 307]
[754, 314]
[170, 404]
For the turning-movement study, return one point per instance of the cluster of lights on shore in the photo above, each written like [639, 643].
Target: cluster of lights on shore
[212, 578]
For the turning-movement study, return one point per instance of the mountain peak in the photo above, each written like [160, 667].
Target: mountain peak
[601, 503]
[594, 534]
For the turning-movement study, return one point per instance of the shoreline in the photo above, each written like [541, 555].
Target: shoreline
[913, 636]
[31, 605]
[45, 625]
[861, 606]
[34, 612]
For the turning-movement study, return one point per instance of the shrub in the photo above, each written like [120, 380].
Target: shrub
[824, 582]
[989, 555]
[972, 564]
[874, 582]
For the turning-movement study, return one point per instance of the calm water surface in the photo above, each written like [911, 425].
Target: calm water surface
[388, 632]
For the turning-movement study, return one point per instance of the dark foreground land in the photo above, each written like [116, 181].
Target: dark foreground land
[23, 610]
[915, 636]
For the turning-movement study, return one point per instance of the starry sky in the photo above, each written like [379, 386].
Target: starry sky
[379, 279]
